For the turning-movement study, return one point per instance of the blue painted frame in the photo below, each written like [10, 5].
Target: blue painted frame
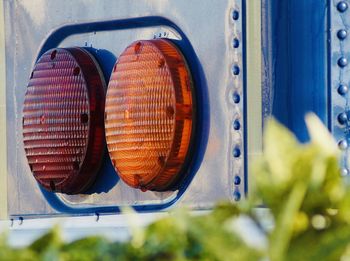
[295, 47]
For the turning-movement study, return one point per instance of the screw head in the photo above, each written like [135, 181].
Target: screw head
[342, 118]
[342, 34]
[237, 180]
[236, 125]
[235, 70]
[235, 15]
[343, 144]
[235, 43]
[236, 152]
[342, 6]
[343, 89]
[342, 62]
[236, 196]
[236, 97]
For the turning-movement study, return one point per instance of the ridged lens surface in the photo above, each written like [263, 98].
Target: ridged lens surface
[63, 122]
[148, 114]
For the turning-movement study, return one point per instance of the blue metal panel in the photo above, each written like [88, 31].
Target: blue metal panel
[295, 52]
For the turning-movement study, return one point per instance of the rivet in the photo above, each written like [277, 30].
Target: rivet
[161, 63]
[236, 152]
[344, 172]
[342, 118]
[137, 47]
[343, 89]
[236, 97]
[236, 196]
[235, 43]
[84, 118]
[237, 180]
[342, 34]
[342, 62]
[342, 6]
[235, 70]
[76, 71]
[161, 160]
[170, 111]
[235, 15]
[53, 54]
[343, 144]
[236, 125]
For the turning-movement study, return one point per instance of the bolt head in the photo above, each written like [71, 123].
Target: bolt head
[343, 89]
[342, 62]
[235, 43]
[342, 34]
[236, 152]
[343, 144]
[236, 196]
[236, 125]
[342, 118]
[237, 180]
[342, 6]
[236, 98]
[235, 70]
[235, 15]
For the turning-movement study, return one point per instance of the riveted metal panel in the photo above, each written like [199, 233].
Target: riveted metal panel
[212, 36]
[339, 55]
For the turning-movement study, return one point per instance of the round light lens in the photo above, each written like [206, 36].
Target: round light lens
[149, 115]
[63, 122]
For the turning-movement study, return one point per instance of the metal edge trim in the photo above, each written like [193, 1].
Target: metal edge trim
[253, 84]
[3, 139]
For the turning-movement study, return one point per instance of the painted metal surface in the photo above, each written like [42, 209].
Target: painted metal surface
[295, 78]
[306, 65]
[215, 51]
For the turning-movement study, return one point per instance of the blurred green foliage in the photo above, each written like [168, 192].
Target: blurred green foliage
[308, 200]
[300, 185]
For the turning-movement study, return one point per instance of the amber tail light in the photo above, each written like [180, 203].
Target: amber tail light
[149, 115]
[63, 122]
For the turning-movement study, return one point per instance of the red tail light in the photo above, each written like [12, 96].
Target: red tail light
[63, 128]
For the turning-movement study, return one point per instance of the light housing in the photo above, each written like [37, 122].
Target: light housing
[149, 115]
[63, 124]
